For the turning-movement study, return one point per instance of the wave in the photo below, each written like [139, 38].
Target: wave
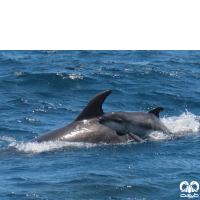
[33, 77]
[25, 76]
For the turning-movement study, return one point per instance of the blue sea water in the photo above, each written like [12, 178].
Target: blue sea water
[41, 91]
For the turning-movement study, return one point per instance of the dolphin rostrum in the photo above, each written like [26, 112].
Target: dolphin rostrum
[136, 124]
[86, 127]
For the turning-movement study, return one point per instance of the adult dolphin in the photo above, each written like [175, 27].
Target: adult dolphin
[86, 127]
[136, 124]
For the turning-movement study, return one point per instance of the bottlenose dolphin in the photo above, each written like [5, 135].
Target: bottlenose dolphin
[137, 124]
[86, 127]
[94, 126]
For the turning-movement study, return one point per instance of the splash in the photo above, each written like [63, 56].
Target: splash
[185, 124]
[34, 147]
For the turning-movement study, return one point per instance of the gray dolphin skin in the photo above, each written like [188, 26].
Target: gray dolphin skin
[86, 127]
[137, 124]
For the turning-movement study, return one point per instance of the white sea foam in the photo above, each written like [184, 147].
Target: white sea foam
[185, 124]
[34, 147]
[5, 138]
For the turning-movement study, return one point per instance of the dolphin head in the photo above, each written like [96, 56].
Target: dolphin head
[114, 121]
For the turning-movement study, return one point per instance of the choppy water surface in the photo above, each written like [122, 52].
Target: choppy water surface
[44, 90]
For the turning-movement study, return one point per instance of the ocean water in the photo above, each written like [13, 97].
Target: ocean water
[41, 91]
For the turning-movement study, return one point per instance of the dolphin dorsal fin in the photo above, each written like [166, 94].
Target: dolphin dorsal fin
[94, 106]
[156, 111]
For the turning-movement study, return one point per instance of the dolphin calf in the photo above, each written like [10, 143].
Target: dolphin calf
[137, 124]
[86, 127]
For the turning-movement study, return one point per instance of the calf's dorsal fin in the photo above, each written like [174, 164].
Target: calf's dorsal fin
[156, 111]
[94, 106]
